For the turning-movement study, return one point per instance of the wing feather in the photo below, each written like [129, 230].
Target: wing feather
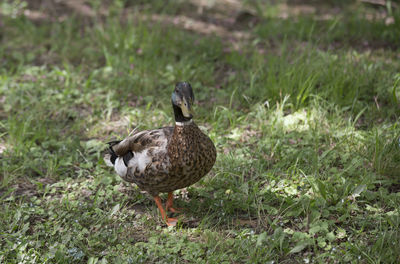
[142, 140]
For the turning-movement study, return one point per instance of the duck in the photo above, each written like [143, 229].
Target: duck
[165, 159]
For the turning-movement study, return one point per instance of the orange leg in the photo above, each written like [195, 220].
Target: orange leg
[170, 202]
[170, 221]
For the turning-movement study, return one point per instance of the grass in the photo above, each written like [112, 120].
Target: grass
[306, 124]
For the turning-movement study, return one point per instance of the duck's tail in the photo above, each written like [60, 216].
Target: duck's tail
[110, 157]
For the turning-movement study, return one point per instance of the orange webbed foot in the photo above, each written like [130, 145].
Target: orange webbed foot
[172, 221]
[174, 210]
[169, 221]
[169, 205]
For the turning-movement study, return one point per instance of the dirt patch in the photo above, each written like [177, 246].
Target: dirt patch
[394, 188]
[25, 188]
[200, 27]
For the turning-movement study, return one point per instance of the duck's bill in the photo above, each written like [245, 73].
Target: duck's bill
[186, 109]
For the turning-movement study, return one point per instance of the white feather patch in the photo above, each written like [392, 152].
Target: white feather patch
[107, 160]
[184, 123]
[140, 160]
[120, 167]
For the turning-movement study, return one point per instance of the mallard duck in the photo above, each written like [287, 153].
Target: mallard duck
[165, 159]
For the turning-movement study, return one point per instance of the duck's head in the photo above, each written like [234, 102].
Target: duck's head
[182, 100]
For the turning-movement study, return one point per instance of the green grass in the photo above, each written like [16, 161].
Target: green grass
[307, 136]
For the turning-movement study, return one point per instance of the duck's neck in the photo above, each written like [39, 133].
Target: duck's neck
[180, 119]
[183, 123]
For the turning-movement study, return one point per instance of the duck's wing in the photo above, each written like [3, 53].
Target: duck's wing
[123, 151]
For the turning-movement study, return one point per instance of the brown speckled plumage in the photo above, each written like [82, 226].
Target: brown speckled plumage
[178, 157]
[192, 155]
